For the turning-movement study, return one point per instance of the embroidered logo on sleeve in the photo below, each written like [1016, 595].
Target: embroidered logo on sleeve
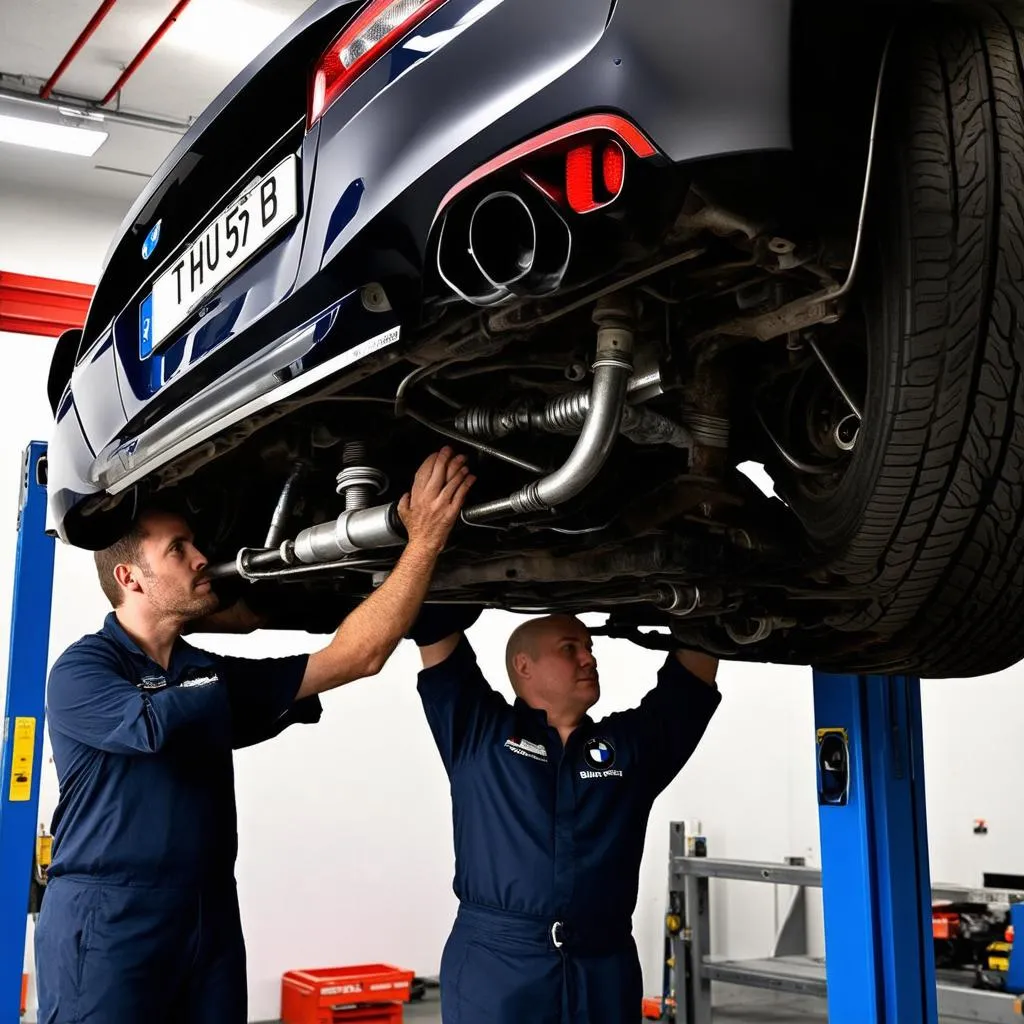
[152, 683]
[201, 680]
[524, 748]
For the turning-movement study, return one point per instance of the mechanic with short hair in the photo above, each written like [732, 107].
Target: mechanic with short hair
[550, 813]
[140, 919]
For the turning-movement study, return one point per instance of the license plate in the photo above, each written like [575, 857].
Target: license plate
[232, 238]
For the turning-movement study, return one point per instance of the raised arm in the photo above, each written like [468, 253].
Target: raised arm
[370, 633]
[697, 663]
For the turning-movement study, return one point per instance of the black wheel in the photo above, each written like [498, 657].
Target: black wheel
[927, 512]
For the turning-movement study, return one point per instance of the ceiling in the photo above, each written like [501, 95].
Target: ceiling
[203, 50]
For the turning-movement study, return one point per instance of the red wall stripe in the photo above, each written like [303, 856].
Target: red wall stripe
[41, 305]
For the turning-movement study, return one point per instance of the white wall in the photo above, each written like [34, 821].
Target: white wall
[345, 828]
[973, 770]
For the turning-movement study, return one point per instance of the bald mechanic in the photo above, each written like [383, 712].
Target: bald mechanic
[140, 918]
[550, 813]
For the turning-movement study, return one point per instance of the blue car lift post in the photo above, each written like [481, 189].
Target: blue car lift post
[879, 955]
[20, 766]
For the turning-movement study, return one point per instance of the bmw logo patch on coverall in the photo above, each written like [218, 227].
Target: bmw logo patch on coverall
[599, 753]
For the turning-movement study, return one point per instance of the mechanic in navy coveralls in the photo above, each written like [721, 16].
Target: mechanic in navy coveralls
[550, 812]
[139, 922]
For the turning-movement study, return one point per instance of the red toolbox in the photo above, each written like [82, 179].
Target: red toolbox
[331, 995]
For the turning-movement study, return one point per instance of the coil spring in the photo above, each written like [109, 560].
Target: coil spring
[358, 482]
[709, 431]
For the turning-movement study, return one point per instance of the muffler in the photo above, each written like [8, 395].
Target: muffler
[509, 244]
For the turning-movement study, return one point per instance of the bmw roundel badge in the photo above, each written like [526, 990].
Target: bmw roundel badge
[599, 753]
[150, 244]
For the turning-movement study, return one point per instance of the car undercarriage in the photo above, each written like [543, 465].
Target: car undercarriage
[604, 423]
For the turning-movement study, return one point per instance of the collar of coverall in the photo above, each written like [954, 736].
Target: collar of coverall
[540, 717]
[112, 627]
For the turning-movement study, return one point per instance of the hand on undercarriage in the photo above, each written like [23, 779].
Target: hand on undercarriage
[430, 509]
[697, 663]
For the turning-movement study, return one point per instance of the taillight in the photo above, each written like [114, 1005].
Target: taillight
[373, 31]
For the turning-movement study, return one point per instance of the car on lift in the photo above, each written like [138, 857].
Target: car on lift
[614, 249]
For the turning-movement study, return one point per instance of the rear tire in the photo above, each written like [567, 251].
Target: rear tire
[929, 516]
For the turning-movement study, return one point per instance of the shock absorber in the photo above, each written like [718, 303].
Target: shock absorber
[358, 481]
[360, 527]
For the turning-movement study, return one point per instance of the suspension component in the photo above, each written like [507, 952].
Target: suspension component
[834, 377]
[677, 599]
[275, 533]
[708, 430]
[846, 433]
[359, 482]
[750, 631]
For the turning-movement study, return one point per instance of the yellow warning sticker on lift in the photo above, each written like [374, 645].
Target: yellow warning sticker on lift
[24, 750]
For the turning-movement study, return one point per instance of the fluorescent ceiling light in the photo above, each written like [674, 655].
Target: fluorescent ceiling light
[59, 138]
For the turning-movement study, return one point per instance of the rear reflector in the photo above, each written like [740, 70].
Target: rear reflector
[613, 168]
[579, 179]
[377, 27]
[585, 135]
[584, 190]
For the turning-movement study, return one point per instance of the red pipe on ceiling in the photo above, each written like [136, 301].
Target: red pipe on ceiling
[76, 46]
[145, 51]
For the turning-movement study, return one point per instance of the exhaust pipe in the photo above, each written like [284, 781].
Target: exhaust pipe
[612, 369]
[502, 239]
[457, 267]
[366, 529]
[510, 243]
[520, 243]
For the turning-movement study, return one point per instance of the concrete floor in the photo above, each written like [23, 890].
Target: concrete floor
[795, 1011]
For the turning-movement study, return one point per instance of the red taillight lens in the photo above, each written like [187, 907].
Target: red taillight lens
[373, 31]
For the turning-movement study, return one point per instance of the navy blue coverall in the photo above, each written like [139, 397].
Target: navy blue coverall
[139, 920]
[548, 843]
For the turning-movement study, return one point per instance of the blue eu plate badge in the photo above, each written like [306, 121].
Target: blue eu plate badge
[146, 328]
